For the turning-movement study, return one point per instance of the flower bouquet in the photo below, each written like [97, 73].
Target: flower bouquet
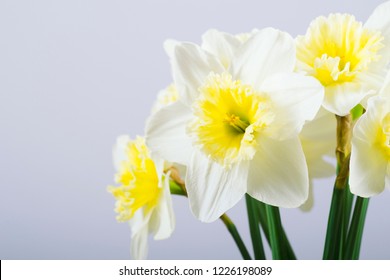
[255, 116]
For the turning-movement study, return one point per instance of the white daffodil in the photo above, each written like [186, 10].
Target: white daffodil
[318, 142]
[236, 129]
[143, 196]
[370, 153]
[347, 57]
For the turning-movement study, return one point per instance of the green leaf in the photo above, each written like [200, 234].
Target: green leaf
[277, 239]
[262, 214]
[253, 217]
[354, 239]
[334, 234]
[236, 236]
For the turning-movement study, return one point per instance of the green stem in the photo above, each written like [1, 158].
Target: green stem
[339, 214]
[262, 214]
[179, 189]
[275, 229]
[355, 233]
[253, 218]
[236, 236]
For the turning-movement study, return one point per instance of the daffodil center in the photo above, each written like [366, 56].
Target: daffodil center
[139, 183]
[337, 49]
[236, 123]
[228, 118]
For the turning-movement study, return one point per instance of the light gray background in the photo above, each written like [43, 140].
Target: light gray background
[76, 74]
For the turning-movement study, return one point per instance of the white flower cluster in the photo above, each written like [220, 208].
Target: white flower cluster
[254, 114]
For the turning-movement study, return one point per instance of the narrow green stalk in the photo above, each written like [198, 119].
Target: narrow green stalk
[253, 218]
[276, 236]
[179, 189]
[347, 211]
[236, 236]
[352, 248]
[334, 233]
[263, 220]
[289, 250]
[356, 251]
[262, 214]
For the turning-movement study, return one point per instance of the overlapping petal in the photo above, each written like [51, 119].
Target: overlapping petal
[380, 19]
[296, 98]
[213, 189]
[267, 52]
[278, 173]
[220, 44]
[190, 66]
[162, 220]
[166, 133]
[139, 242]
[340, 98]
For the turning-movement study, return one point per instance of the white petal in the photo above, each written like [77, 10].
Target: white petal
[321, 128]
[162, 221]
[318, 167]
[169, 47]
[119, 150]
[212, 190]
[308, 205]
[278, 173]
[366, 128]
[318, 140]
[139, 225]
[387, 178]
[385, 90]
[220, 44]
[267, 52]
[191, 65]
[139, 221]
[139, 244]
[380, 19]
[296, 98]
[166, 133]
[367, 169]
[159, 163]
[372, 81]
[340, 99]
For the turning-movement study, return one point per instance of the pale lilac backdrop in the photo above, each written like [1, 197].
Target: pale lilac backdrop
[76, 74]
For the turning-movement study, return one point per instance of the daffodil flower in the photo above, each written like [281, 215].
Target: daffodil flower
[348, 58]
[370, 154]
[143, 196]
[236, 129]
